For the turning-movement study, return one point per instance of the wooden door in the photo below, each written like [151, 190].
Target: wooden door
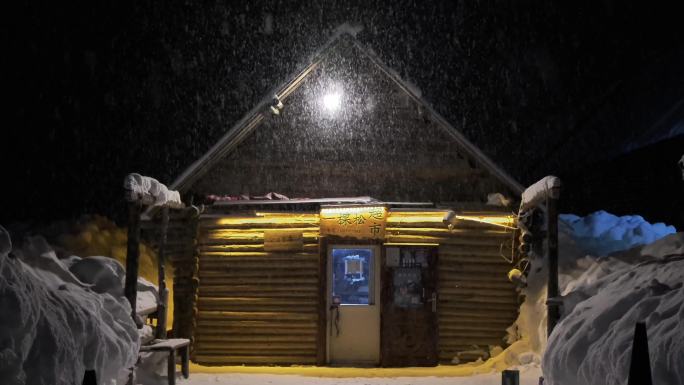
[409, 312]
[354, 311]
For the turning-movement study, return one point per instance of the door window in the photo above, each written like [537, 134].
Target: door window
[352, 276]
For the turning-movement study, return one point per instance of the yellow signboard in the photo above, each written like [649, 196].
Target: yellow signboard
[283, 240]
[354, 222]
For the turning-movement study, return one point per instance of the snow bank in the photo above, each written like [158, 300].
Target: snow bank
[59, 318]
[602, 233]
[592, 343]
[97, 235]
[598, 234]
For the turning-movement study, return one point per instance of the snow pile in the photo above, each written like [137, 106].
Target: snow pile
[578, 236]
[59, 318]
[602, 233]
[97, 235]
[592, 343]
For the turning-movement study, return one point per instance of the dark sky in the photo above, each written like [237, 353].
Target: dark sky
[98, 89]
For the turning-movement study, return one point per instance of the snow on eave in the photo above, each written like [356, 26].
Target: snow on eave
[254, 117]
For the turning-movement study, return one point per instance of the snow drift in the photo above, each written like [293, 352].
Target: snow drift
[60, 317]
[592, 343]
[97, 235]
[615, 271]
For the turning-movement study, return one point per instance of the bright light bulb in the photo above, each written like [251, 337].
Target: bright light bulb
[332, 101]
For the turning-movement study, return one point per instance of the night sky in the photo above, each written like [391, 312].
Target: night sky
[579, 89]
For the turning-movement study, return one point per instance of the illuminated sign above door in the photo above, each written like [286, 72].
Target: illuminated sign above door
[358, 222]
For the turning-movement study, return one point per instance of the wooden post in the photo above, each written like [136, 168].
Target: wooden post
[553, 311]
[322, 336]
[510, 377]
[161, 262]
[133, 258]
[172, 367]
[640, 366]
[89, 378]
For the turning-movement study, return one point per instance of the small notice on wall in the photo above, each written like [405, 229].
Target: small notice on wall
[354, 222]
[283, 240]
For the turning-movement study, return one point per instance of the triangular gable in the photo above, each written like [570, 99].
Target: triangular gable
[259, 114]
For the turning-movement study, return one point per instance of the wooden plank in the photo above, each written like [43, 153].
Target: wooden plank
[477, 326]
[214, 333]
[205, 249]
[255, 301]
[448, 342]
[467, 311]
[219, 277]
[248, 239]
[455, 296]
[471, 250]
[452, 241]
[218, 325]
[264, 254]
[500, 321]
[503, 285]
[269, 308]
[257, 274]
[209, 258]
[223, 291]
[477, 260]
[258, 351]
[443, 232]
[265, 265]
[472, 333]
[256, 232]
[255, 339]
[256, 316]
[446, 289]
[458, 275]
[453, 305]
[474, 269]
[218, 359]
[247, 224]
[258, 288]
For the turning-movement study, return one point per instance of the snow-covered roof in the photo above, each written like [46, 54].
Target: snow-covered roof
[343, 34]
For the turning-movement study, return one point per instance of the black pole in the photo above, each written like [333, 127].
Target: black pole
[161, 261]
[133, 258]
[553, 311]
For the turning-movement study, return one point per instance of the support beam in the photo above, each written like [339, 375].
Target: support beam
[133, 258]
[161, 262]
[552, 302]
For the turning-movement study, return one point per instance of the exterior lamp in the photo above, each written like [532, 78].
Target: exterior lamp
[276, 105]
[332, 101]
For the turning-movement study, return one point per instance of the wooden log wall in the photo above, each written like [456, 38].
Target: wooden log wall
[256, 306]
[476, 302]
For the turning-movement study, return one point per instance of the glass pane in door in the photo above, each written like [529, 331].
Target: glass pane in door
[352, 276]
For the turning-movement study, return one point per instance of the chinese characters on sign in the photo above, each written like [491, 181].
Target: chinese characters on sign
[354, 222]
[283, 240]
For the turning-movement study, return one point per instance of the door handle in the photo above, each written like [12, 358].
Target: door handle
[434, 302]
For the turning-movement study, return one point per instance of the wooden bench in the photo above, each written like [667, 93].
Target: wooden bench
[172, 345]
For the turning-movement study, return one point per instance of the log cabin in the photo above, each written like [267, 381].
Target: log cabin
[382, 246]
